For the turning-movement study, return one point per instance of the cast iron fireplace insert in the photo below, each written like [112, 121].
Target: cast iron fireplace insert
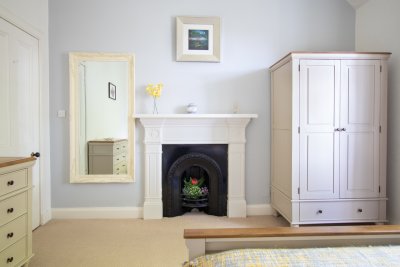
[182, 161]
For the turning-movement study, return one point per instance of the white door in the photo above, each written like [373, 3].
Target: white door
[19, 101]
[359, 121]
[319, 117]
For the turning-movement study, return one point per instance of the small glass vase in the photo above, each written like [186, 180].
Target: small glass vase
[155, 110]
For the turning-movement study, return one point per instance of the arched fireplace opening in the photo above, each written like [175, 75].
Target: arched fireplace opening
[200, 167]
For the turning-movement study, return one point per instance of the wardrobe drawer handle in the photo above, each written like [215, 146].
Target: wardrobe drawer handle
[10, 235]
[10, 210]
[10, 259]
[10, 182]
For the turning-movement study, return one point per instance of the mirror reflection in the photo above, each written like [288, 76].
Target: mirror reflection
[101, 85]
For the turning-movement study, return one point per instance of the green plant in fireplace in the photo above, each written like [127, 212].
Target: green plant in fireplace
[193, 188]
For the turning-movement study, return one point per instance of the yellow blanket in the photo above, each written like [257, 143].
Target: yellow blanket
[382, 256]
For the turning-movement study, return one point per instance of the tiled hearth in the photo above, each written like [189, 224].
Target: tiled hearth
[194, 129]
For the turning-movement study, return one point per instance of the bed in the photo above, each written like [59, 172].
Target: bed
[368, 245]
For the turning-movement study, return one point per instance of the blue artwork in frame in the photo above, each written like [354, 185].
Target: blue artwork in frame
[198, 39]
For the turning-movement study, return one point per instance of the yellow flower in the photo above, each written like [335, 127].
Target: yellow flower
[154, 90]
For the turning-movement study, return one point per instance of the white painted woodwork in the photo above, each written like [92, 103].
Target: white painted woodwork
[76, 130]
[281, 130]
[20, 101]
[194, 129]
[330, 143]
[360, 116]
[319, 116]
[133, 212]
[16, 212]
[196, 247]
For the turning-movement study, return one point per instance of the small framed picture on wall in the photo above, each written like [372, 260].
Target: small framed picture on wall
[112, 91]
[198, 39]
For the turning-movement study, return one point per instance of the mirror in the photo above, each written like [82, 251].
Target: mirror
[101, 123]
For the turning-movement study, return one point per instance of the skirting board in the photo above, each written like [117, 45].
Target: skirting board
[98, 213]
[132, 212]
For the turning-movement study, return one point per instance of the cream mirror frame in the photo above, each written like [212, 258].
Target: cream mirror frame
[79, 174]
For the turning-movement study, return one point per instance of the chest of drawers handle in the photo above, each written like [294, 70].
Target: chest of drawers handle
[11, 182]
[319, 212]
[10, 210]
[360, 210]
[10, 259]
[10, 235]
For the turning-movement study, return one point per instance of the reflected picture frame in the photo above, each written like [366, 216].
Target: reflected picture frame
[112, 91]
[198, 39]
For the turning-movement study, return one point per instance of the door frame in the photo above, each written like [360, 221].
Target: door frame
[44, 104]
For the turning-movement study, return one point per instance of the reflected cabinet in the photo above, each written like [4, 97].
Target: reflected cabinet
[329, 137]
[108, 156]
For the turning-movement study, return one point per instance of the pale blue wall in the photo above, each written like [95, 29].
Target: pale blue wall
[377, 29]
[255, 33]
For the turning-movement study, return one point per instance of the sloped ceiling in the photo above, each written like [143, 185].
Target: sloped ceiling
[357, 3]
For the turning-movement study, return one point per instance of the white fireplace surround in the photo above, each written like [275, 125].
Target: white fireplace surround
[162, 129]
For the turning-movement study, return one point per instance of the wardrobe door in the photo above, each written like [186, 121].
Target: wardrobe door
[319, 121]
[359, 122]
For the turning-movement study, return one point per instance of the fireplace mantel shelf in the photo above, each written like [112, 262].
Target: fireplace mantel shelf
[193, 116]
[185, 129]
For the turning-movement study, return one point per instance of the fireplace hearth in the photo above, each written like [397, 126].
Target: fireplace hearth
[207, 162]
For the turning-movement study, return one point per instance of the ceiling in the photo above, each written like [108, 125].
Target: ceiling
[357, 3]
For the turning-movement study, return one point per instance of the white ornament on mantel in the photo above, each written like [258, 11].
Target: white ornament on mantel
[191, 108]
[194, 129]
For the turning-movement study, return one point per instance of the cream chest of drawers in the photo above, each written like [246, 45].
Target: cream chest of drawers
[108, 156]
[15, 211]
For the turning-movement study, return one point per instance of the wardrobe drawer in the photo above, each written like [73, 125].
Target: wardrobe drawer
[13, 207]
[14, 254]
[12, 231]
[13, 181]
[338, 211]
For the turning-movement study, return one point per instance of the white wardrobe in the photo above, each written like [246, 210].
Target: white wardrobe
[328, 137]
